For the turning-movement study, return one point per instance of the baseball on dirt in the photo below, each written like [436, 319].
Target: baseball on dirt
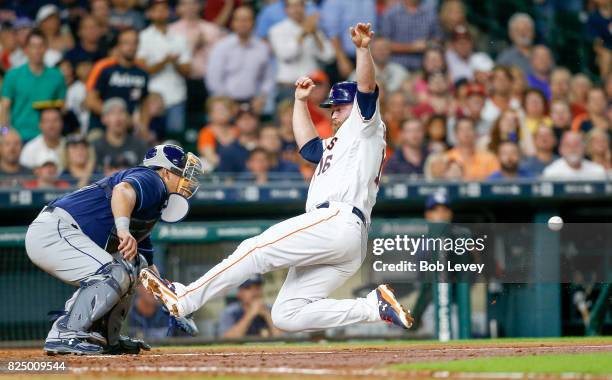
[555, 223]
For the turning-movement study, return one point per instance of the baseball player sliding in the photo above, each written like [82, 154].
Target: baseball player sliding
[326, 245]
[97, 238]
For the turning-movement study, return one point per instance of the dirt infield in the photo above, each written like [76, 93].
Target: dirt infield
[346, 360]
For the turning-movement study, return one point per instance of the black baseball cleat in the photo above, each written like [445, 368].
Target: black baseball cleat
[390, 309]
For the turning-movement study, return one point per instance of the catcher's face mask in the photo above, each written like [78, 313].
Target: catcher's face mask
[177, 207]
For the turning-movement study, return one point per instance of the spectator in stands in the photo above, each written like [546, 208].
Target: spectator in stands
[22, 26]
[219, 131]
[258, 166]
[395, 111]
[459, 55]
[123, 16]
[201, 37]
[596, 111]
[8, 44]
[608, 87]
[439, 99]
[273, 13]
[117, 139]
[535, 106]
[598, 27]
[561, 117]
[409, 158]
[560, 81]
[541, 66]
[579, 90]
[233, 158]
[454, 171]
[299, 46]
[509, 156]
[482, 65]
[26, 86]
[146, 319]
[521, 32]
[436, 134]
[167, 59]
[117, 77]
[337, 16]
[59, 39]
[435, 166]
[250, 316]
[227, 73]
[321, 117]
[598, 148]
[270, 141]
[572, 166]
[545, 142]
[410, 25]
[477, 164]
[100, 11]
[10, 150]
[76, 94]
[433, 61]
[150, 119]
[519, 83]
[46, 172]
[49, 141]
[88, 45]
[509, 127]
[500, 97]
[452, 15]
[389, 75]
[472, 109]
[80, 161]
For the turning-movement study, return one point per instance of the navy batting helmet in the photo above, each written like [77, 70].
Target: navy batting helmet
[340, 93]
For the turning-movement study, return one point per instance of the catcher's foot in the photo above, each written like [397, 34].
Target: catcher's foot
[71, 346]
[390, 309]
[162, 290]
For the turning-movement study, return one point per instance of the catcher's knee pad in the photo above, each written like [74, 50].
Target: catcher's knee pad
[98, 294]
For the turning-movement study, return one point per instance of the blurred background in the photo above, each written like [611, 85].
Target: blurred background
[504, 107]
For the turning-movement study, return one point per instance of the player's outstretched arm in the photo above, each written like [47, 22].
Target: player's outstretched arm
[362, 35]
[303, 127]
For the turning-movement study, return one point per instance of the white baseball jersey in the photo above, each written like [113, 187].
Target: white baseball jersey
[349, 170]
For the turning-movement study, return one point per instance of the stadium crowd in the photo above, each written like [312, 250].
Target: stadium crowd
[88, 86]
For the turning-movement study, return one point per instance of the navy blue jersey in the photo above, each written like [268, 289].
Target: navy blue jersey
[90, 206]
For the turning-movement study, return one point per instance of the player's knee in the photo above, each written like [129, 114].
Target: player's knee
[283, 319]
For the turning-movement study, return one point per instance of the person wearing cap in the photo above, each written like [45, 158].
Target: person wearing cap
[117, 138]
[10, 150]
[49, 140]
[22, 27]
[226, 73]
[28, 84]
[472, 108]
[46, 172]
[167, 58]
[299, 46]
[249, 315]
[80, 161]
[59, 37]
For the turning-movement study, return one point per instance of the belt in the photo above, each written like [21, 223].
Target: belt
[355, 211]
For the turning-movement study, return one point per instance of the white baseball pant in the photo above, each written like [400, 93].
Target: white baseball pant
[322, 249]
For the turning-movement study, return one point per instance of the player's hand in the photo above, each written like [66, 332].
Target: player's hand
[127, 244]
[303, 88]
[362, 34]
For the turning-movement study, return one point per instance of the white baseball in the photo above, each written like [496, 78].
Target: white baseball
[555, 223]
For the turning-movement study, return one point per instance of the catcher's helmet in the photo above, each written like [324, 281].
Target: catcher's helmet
[340, 93]
[168, 156]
